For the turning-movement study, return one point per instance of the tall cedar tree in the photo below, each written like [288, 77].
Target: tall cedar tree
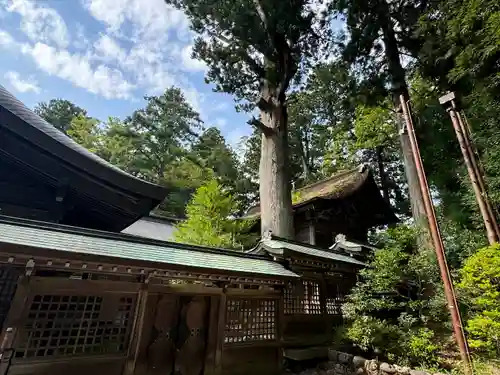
[254, 49]
[382, 32]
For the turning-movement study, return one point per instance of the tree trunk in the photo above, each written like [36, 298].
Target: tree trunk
[399, 87]
[275, 191]
[382, 174]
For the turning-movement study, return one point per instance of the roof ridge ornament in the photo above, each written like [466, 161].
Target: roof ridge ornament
[340, 237]
[267, 235]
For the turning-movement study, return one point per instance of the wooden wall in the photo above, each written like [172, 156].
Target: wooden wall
[239, 329]
[63, 326]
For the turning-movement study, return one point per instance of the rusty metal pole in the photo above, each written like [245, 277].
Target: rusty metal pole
[437, 241]
[477, 183]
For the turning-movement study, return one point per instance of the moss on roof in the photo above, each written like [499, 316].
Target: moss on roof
[339, 185]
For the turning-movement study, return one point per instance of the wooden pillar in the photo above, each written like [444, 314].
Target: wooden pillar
[13, 323]
[322, 300]
[312, 227]
[213, 335]
[221, 324]
[280, 322]
[137, 331]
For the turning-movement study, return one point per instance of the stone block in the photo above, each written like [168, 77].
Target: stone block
[418, 372]
[387, 369]
[345, 358]
[333, 355]
[358, 362]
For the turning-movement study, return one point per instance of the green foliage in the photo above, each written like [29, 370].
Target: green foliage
[464, 49]
[422, 345]
[244, 42]
[86, 132]
[59, 112]
[160, 131]
[398, 304]
[479, 284]
[209, 220]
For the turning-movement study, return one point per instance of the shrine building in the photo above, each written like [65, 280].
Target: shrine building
[88, 285]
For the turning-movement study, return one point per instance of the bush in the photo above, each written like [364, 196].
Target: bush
[480, 289]
[392, 309]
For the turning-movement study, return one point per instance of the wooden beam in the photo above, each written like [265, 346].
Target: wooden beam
[221, 324]
[137, 331]
[212, 337]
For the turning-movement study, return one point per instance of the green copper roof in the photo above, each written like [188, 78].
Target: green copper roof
[84, 241]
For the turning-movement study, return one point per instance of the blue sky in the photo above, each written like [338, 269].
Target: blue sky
[105, 55]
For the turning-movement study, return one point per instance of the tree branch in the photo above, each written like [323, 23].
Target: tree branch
[265, 105]
[261, 126]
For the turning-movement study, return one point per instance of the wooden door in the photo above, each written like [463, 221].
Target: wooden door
[161, 351]
[179, 335]
[192, 336]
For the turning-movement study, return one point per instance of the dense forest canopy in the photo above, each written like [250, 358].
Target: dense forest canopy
[327, 101]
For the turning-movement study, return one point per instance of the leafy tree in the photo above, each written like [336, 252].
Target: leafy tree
[184, 176]
[212, 152]
[254, 49]
[86, 132]
[161, 133]
[209, 221]
[397, 309]
[381, 33]
[59, 112]
[480, 278]
[116, 147]
[464, 51]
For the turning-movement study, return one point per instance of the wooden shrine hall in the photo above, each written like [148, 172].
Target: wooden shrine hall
[79, 297]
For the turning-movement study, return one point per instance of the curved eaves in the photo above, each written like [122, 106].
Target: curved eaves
[19, 119]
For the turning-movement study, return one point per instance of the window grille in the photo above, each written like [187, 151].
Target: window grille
[8, 283]
[334, 299]
[63, 325]
[250, 320]
[302, 298]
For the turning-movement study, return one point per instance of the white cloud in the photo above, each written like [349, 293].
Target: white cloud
[190, 63]
[152, 19]
[21, 85]
[77, 69]
[40, 23]
[81, 41]
[6, 39]
[108, 49]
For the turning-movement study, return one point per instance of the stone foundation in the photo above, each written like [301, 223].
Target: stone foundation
[340, 363]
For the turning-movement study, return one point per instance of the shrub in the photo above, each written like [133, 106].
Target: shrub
[480, 289]
[398, 299]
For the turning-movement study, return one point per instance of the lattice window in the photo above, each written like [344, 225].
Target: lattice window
[62, 325]
[8, 282]
[250, 320]
[335, 297]
[302, 298]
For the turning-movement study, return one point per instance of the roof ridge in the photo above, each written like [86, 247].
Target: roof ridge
[362, 168]
[343, 257]
[120, 237]
[336, 176]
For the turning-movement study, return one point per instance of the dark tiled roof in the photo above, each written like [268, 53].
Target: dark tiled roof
[36, 130]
